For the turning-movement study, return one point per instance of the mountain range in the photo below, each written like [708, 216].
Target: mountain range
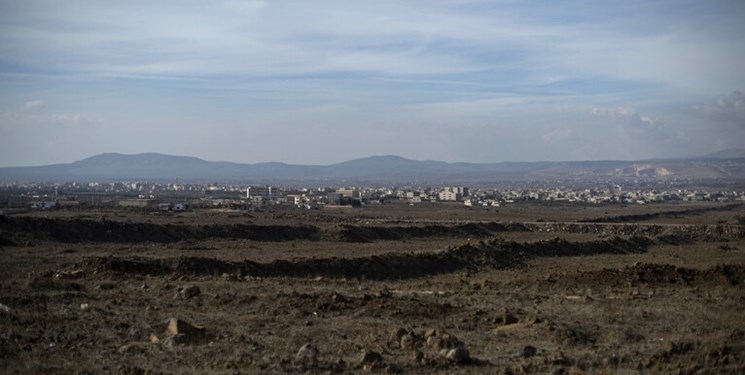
[727, 165]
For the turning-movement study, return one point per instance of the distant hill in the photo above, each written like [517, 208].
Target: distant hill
[728, 165]
[732, 153]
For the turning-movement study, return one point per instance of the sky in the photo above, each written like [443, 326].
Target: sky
[321, 82]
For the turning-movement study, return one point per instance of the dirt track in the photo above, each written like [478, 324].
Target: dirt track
[92, 296]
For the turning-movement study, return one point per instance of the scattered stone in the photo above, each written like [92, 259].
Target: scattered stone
[180, 332]
[307, 355]
[393, 369]
[370, 357]
[76, 274]
[135, 333]
[339, 298]
[408, 341]
[84, 306]
[508, 317]
[560, 359]
[528, 351]
[172, 341]
[459, 355]
[397, 334]
[108, 285]
[370, 360]
[339, 365]
[4, 308]
[611, 360]
[190, 291]
[443, 340]
[132, 347]
[430, 332]
[383, 293]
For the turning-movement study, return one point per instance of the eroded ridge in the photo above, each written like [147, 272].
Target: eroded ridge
[495, 253]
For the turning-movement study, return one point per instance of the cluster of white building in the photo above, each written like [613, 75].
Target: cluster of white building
[179, 197]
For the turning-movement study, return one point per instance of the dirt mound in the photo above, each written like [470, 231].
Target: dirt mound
[648, 273]
[17, 229]
[82, 230]
[353, 233]
[4, 241]
[657, 215]
[678, 234]
[495, 254]
[138, 266]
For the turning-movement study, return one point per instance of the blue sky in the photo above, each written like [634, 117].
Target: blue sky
[318, 82]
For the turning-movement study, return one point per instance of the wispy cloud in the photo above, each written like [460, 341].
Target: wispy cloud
[33, 104]
[729, 108]
[388, 38]
[628, 115]
[522, 75]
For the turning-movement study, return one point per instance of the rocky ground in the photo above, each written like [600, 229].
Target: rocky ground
[526, 289]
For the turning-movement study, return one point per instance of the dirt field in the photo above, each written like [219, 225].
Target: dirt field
[522, 289]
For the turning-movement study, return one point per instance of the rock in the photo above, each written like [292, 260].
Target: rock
[135, 333]
[75, 274]
[172, 341]
[408, 342]
[339, 298]
[393, 369]
[528, 351]
[307, 354]
[383, 293]
[430, 332]
[443, 340]
[508, 318]
[397, 333]
[189, 334]
[4, 308]
[339, 366]
[459, 355]
[190, 291]
[107, 285]
[370, 357]
[84, 306]
[132, 347]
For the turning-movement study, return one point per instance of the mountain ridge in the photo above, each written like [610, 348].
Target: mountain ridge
[373, 169]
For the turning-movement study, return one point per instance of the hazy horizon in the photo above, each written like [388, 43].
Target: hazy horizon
[738, 151]
[325, 82]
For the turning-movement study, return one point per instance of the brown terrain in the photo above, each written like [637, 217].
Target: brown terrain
[522, 289]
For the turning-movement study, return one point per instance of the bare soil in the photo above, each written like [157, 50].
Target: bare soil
[525, 289]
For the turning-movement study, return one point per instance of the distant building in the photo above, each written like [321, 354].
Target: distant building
[136, 203]
[447, 195]
[46, 205]
[295, 199]
[453, 193]
[266, 193]
[348, 193]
